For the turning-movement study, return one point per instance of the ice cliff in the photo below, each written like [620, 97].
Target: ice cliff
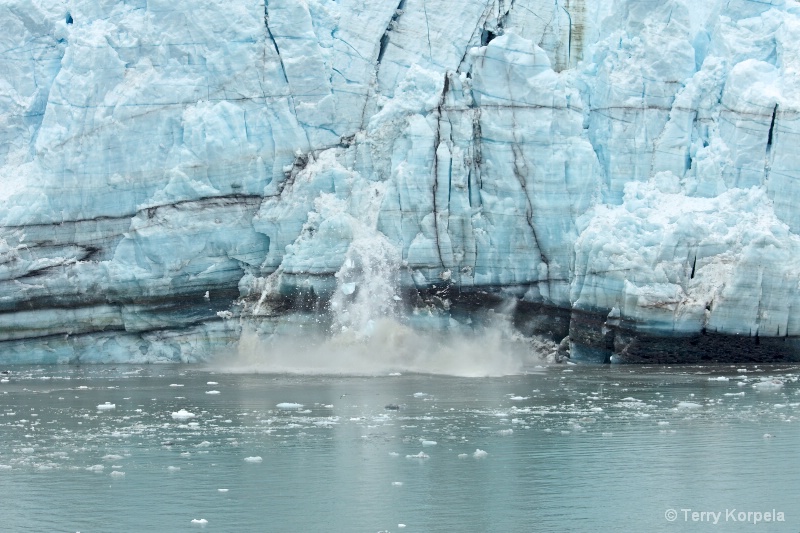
[626, 171]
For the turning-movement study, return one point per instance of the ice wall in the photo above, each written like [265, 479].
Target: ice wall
[629, 162]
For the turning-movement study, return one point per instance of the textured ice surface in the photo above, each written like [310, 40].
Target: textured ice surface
[632, 159]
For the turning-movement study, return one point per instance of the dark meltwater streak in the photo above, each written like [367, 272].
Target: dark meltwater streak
[560, 448]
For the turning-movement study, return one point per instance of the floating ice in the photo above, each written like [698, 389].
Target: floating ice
[519, 398]
[479, 454]
[428, 442]
[348, 288]
[201, 521]
[253, 459]
[420, 455]
[505, 432]
[222, 490]
[463, 455]
[289, 405]
[689, 405]
[173, 468]
[768, 384]
[183, 414]
[397, 483]
[117, 473]
[106, 406]
[111, 457]
[212, 392]
[768, 436]
[176, 384]
[720, 378]
[420, 394]
[212, 383]
[95, 468]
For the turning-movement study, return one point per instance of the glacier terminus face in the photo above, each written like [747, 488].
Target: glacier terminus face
[621, 176]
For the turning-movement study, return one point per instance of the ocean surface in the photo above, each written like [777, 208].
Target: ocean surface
[556, 448]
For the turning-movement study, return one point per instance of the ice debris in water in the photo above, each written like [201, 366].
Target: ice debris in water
[253, 459]
[397, 483]
[479, 454]
[212, 383]
[420, 394]
[689, 405]
[348, 288]
[117, 474]
[222, 490]
[183, 414]
[505, 432]
[107, 406]
[768, 384]
[420, 455]
[173, 468]
[463, 455]
[212, 392]
[201, 521]
[289, 405]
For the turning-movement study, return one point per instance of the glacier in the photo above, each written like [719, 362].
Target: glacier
[618, 176]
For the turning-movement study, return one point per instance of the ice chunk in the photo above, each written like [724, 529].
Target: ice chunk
[420, 455]
[289, 405]
[183, 414]
[107, 406]
[480, 454]
[253, 459]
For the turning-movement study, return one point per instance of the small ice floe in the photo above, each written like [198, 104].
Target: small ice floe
[117, 474]
[719, 378]
[111, 457]
[734, 394]
[212, 392]
[401, 526]
[768, 384]
[253, 459]
[420, 455]
[420, 394]
[519, 398]
[222, 490]
[107, 406]
[393, 454]
[427, 442]
[183, 414]
[200, 521]
[95, 468]
[663, 423]
[689, 405]
[769, 436]
[176, 384]
[207, 296]
[397, 483]
[505, 432]
[393, 374]
[607, 434]
[289, 405]
[211, 383]
[479, 454]
[348, 288]
[463, 455]
[5, 467]
[173, 468]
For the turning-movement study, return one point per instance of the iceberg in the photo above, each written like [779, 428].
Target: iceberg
[621, 175]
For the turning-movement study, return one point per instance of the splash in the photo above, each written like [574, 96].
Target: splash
[491, 350]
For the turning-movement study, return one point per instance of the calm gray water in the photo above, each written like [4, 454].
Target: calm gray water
[567, 448]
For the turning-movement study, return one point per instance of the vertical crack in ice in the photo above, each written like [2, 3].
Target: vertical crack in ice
[436, 142]
[520, 175]
[274, 42]
[384, 42]
[480, 27]
[428, 28]
[771, 129]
